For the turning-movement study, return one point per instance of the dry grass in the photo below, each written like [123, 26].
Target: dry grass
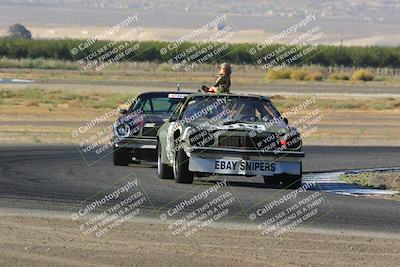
[35, 96]
[321, 74]
[378, 180]
[38, 63]
[152, 72]
[340, 76]
[388, 103]
[48, 116]
[31, 103]
[281, 74]
[315, 75]
[298, 74]
[362, 75]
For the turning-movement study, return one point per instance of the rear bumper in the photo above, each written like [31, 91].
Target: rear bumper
[138, 143]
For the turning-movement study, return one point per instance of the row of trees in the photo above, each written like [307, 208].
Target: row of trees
[68, 49]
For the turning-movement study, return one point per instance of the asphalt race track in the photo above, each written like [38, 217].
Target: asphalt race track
[57, 178]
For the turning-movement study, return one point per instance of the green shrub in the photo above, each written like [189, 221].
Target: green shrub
[340, 76]
[362, 75]
[315, 75]
[380, 78]
[281, 74]
[298, 74]
[7, 93]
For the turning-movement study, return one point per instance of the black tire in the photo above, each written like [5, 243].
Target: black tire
[164, 171]
[285, 181]
[182, 175]
[122, 156]
[295, 180]
[272, 181]
[292, 181]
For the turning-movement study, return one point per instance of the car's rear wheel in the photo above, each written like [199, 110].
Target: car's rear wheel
[164, 171]
[181, 168]
[122, 156]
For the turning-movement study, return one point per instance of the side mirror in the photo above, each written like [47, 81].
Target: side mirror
[286, 121]
[122, 111]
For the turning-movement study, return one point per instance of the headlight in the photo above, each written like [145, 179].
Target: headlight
[122, 130]
[200, 138]
[293, 139]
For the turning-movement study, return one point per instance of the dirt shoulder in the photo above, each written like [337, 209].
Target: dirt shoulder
[54, 241]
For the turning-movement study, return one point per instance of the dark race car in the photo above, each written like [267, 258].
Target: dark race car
[229, 134]
[134, 133]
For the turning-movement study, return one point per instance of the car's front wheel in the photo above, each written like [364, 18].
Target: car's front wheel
[164, 171]
[122, 156]
[181, 168]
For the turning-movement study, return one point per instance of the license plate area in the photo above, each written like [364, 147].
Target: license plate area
[243, 167]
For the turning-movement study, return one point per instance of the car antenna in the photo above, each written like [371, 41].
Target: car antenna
[178, 87]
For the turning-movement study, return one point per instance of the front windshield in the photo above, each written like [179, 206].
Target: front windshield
[230, 109]
[157, 105]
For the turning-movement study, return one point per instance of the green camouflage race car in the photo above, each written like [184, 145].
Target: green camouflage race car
[228, 134]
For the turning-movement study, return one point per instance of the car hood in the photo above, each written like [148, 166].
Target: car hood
[242, 126]
[244, 135]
